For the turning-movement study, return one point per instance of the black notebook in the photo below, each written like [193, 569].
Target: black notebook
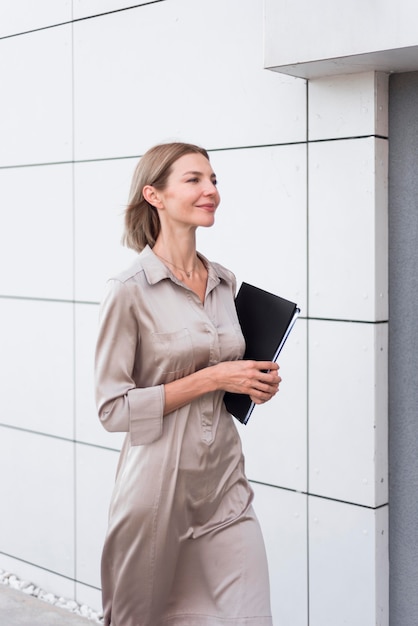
[266, 321]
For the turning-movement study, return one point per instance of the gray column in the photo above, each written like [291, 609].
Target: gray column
[403, 348]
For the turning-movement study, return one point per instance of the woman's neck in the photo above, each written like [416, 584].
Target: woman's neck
[184, 263]
[181, 253]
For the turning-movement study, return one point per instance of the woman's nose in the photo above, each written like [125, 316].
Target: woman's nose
[210, 188]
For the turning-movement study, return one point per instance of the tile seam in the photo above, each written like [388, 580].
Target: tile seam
[79, 19]
[210, 150]
[70, 440]
[50, 571]
[322, 497]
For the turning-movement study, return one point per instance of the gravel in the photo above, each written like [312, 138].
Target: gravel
[10, 580]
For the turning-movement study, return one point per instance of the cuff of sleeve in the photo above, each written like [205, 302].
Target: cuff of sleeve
[146, 409]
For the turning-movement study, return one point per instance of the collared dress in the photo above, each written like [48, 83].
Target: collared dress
[183, 546]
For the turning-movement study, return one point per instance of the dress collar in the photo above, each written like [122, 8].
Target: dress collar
[155, 270]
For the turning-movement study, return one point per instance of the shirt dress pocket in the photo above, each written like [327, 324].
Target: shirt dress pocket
[173, 352]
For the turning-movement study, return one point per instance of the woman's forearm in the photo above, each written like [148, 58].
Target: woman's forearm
[258, 379]
[184, 390]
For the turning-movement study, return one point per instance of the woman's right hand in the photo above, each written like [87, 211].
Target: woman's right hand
[258, 379]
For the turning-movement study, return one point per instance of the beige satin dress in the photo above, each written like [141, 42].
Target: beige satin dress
[183, 546]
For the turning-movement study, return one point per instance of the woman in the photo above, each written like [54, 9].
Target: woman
[183, 547]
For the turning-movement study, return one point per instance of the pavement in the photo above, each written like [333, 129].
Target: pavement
[19, 609]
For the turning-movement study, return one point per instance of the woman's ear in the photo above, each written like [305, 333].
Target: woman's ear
[151, 196]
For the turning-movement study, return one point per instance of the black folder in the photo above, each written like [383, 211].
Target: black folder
[266, 321]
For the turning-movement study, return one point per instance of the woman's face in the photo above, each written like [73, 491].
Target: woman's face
[190, 196]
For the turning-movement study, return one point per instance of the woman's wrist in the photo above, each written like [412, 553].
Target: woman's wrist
[210, 378]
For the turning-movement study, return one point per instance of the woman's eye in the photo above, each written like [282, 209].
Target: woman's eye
[196, 180]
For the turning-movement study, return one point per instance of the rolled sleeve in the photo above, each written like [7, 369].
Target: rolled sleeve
[123, 406]
[146, 407]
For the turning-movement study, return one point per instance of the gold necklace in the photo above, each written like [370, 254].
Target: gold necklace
[181, 269]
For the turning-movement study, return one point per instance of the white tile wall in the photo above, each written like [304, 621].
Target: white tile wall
[95, 477]
[19, 16]
[86, 8]
[90, 596]
[283, 520]
[35, 107]
[43, 578]
[101, 193]
[275, 438]
[327, 31]
[36, 366]
[37, 519]
[134, 85]
[345, 586]
[347, 266]
[260, 229]
[348, 106]
[88, 428]
[36, 232]
[348, 392]
[124, 103]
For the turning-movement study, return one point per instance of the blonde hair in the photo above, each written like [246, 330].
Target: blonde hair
[142, 224]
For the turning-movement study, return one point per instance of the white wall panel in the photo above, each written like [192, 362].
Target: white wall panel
[348, 106]
[46, 580]
[337, 38]
[88, 427]
[101, 193]
[36, 232]
[37, 523]
[348, 392]
[194, 71]
[348, 229]
[19, 16]
[180, 70]
[283, 520]
[86, 8]
[260, 229]
[36, 102]
[348, 564]
[275, 438]
[90, 596]
[96, 470]
[36, 365]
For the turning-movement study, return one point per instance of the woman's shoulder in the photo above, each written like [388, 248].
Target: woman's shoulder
[134, 272]
[130, 273]
[122, 288]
